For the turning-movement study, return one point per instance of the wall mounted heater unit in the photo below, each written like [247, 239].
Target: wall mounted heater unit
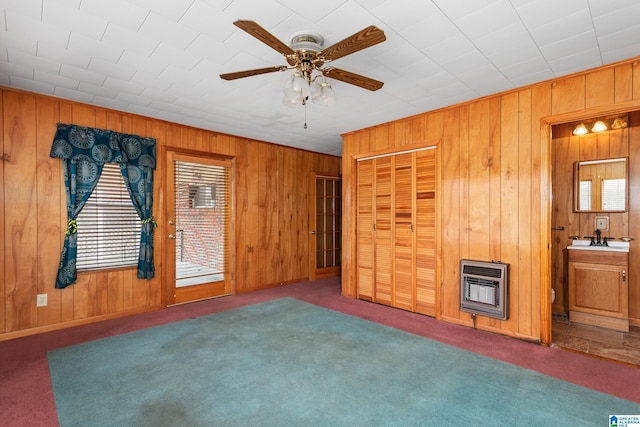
[483, 288]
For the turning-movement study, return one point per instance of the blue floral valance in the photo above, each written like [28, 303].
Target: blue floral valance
[103, 146]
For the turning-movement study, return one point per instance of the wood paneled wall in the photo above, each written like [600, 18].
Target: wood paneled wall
[495, 184]
[270, 217]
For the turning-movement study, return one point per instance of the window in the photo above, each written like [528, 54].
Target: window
[613, 194]
[585, 195]
[108, 225]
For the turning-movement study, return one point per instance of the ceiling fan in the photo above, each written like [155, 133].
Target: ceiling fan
[306, 55]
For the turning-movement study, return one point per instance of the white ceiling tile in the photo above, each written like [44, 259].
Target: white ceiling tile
[120, 12]
[128, 98]
[83, 45]
[460, 8]
[87, 24]
[55, 79]
[581, 60]
[112, 69]
[401, 14]
[15, 41]
[150, 65]
[474, 24]
[313, 11]
[32, 9]
[345, 21]
[74, 95]
[616, 19]
[37, 30]
[508, 38]
[109, 102]
[568, 46]
[450, 49]
[16, 70]
[179, 57]
[430, 31]
[29, 61]
[81, 75]
[559, 29]
[133, 88]
[98, 90]
[31, 85]
[203, 18]
[173, 9]
[520, 73]
[134, 41]
[207, 48]
[537, 13]
[160, 28]
[63, 55]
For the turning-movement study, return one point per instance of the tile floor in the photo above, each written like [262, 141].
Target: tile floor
[600, 342]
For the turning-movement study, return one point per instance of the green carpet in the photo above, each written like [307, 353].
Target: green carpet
[289, 363]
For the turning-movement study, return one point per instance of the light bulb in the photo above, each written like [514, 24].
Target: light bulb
[599, 126]
[581, 129]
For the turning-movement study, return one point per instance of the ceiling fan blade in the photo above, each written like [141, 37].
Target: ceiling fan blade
[249, 73]
[264, 36]
[352, 78]
[361, 40]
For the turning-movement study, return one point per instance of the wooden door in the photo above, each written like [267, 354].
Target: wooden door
[198, 214]
[325, 221]
[404, 236]
[426, 231]
[365, 225]
[383, 238]
[396, 220]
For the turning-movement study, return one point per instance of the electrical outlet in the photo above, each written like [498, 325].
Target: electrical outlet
[602, 223]
[41, 300]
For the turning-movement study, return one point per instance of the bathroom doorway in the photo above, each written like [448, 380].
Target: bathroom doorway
[567, 223]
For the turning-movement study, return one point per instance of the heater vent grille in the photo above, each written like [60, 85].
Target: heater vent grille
[483, 288]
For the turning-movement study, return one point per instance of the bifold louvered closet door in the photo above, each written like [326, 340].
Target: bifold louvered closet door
[397, 230]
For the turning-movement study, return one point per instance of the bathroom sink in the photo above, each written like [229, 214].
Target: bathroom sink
[612, 246]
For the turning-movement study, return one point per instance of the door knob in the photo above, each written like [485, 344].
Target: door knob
[313, 231]
[170, 222]
[172, 237]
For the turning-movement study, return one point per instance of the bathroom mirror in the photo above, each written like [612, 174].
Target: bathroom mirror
[600, 185]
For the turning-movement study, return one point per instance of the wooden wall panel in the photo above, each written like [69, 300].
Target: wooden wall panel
[20, 187]
[270, 220]
[496, 182]
[508, 231]
[51, 214]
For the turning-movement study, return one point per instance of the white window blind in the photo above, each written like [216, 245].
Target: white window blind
[108, 225]
[613, 194]
[202, 217]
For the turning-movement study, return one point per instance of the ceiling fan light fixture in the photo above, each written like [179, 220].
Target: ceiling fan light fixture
[292, 98]
[324, 94]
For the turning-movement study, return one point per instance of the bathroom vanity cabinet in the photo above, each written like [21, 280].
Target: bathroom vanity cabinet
[598, 288]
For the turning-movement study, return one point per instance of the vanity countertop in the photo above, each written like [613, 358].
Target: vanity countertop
[612, 246]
